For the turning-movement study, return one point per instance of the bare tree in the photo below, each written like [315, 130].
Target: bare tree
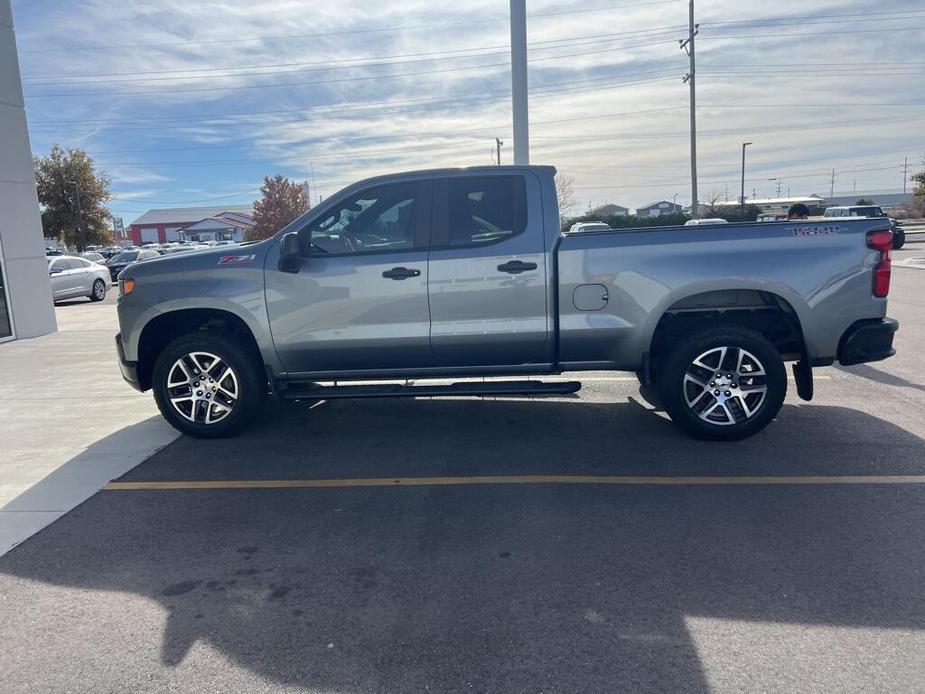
[713, 197]
[565, 191]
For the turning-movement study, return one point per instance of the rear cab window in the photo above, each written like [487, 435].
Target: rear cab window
[479, 210]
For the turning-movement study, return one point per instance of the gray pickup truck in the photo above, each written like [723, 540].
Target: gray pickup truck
[461, 273]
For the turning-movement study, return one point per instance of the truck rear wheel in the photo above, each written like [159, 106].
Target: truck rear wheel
[723, 383]
[208, 385]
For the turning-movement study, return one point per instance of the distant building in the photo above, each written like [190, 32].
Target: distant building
[610, 210]
[771, 205]
[888, 201]
[657, 209]
[228, 226]
[164, 225]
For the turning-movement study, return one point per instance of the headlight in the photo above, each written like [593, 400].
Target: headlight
[126, 287]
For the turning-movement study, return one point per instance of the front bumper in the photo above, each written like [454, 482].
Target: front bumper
[129, 368]
[867, 340]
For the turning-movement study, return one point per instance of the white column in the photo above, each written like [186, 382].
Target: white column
[25, 270]
[519, 81]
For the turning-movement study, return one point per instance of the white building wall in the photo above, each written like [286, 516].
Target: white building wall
[25, 269]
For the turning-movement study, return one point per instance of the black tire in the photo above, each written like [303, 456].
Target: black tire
[718, 418]
[899, 238]
[249, 385]
[98, 292]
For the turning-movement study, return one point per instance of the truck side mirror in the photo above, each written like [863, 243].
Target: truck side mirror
[290, 253]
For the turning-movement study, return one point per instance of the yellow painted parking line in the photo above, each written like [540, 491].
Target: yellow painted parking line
[517, 479]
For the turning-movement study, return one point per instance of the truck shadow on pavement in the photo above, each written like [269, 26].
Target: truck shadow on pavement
[489, 588]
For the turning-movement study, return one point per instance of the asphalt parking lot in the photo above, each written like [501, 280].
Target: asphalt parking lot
[307, 556]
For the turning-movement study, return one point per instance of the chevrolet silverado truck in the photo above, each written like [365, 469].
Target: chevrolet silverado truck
[461, 273]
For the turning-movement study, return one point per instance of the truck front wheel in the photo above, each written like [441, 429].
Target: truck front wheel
[208, 384]
[723, 383]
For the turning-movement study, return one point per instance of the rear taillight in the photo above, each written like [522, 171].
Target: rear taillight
[881, 241]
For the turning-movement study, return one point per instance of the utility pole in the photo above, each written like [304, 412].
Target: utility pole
[519, 81]
[779, 182]
[687, 45]
[832, 186]
[742, 199]
[905, 173]
[498, 143]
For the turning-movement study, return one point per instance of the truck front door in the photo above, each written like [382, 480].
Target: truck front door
[488, 274]
[359, 299]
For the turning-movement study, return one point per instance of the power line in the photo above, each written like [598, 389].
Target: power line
[328, 64]
[891, 15]
[345, 32]
[738, 131]
[816, 34]
[323, 82]
[641, 135]
[480, 99]
[475, 132]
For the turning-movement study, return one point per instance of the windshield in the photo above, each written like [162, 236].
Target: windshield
[124, 257]
[867, 212]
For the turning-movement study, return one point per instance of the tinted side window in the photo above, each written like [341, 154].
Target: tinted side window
[485, 209]
[78, 263]
[59, 265]
[383, 218]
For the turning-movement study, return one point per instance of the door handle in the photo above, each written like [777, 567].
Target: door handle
[401, 273]
[515, 267]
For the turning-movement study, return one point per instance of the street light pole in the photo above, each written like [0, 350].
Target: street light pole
[742, 199]
[519, 81]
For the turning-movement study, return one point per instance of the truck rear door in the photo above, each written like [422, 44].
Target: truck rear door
[487, 271]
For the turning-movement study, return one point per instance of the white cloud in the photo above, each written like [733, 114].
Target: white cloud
[801, 99]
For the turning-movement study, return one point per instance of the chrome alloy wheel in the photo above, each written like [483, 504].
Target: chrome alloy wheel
[202, 387]
[99, 290]
[725, 386]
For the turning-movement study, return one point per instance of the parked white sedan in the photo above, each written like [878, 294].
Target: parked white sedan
[72, 277]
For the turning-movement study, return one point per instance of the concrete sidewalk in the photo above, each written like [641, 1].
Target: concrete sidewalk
[68, 423]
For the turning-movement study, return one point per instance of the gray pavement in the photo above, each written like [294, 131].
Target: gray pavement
[499, 588]
[68, 424]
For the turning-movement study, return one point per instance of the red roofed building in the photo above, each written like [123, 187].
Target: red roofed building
[164, 225]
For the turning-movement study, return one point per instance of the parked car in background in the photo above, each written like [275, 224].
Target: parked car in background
[72, 277]
[701, 222]
[899, 234]
[772, 217]
[186, 248]
[94, 257]
[589, 226]
[122, 260]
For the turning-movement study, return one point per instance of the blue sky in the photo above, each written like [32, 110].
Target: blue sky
[188, 103]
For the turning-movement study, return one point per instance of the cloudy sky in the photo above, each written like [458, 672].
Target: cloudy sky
[188, 103]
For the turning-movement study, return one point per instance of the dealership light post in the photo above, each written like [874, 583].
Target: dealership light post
[519, 81]
[742, 198]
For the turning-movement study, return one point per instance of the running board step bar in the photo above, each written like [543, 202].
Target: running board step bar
[312, 391]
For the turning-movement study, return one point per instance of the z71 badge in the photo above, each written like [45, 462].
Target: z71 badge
[236, 259]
